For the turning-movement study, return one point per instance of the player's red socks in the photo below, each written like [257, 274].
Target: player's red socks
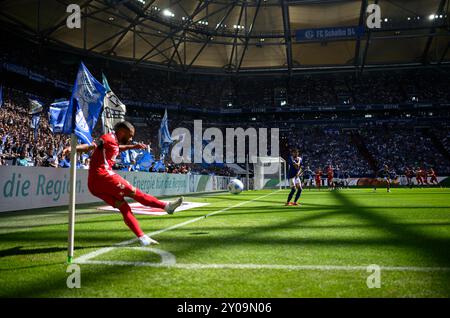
[130, 220]
[148, 200]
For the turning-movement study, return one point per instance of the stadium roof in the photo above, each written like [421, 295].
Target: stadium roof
[239, 36]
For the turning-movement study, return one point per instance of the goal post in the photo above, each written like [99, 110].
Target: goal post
[269, 172]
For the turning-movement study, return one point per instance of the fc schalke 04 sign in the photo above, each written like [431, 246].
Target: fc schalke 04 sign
[328, 33]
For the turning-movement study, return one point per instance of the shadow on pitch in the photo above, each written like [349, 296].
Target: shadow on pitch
[20, 250]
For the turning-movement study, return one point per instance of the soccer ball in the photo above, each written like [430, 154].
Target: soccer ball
[235, 186]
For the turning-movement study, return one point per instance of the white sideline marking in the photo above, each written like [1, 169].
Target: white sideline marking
[269, 266]
[87, 257]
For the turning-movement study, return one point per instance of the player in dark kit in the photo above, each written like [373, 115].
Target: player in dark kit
[386, 175]
[409, 175]
[307, 177]
[107, 185]
[294, 174]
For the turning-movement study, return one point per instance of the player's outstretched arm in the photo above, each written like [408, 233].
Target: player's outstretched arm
[134, 146]
[80, 148]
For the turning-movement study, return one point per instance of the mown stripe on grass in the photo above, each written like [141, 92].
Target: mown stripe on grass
[194, 266]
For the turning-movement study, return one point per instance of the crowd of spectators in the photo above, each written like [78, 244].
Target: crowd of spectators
[402, 147]
[397, 146]
[320, 148]
[19, 147]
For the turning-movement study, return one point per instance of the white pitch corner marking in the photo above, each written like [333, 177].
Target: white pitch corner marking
[88, 257]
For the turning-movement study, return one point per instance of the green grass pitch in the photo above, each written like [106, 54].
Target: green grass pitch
[253, 247]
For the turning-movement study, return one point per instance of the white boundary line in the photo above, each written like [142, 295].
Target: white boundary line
[194, 266]
[89, 256]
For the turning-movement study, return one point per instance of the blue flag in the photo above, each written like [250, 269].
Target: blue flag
[159, 166]
[165, 140]
[145, 161]
[87, 101]
[125, 155]
[57, 115]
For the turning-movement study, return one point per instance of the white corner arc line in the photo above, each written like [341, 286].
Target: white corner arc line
[91, 255]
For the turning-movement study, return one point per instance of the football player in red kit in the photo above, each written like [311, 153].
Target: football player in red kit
[330, 176]
[433, 177]
[419, 176]
[424, 175]
[107, 185]
[318, 178]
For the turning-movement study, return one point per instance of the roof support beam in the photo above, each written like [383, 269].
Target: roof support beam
[62, 22]
[234, 48]
[361, 25]
[369, 35]
[198, 9]
[247, 39]
[208, 39]
[136, 21]
[153, 46]
[287, 34]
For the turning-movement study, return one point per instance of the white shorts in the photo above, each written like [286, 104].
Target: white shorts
[294, 181]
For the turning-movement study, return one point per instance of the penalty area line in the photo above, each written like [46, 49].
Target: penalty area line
[89, 256]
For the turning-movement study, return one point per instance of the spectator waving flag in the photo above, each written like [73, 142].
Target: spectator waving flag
[35, 111]
[113, 109]
[35, 106]
[165, 140]
[56, 116]
[86, 103]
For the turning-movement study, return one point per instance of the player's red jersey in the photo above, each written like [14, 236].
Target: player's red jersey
[104, 156]
[424, 175]
[330, 173]
[103, 182]
[433, 176]
[432, 173]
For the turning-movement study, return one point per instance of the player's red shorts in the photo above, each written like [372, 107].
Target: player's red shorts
[110, 187]
[318, 182]
[433, 179]
[330, 180]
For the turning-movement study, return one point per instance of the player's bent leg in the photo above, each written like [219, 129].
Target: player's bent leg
[298, 194]
[149, 200]
[128, 217]
[146, 199]
[131, 221]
